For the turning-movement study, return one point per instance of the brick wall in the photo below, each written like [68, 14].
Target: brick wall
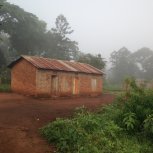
[67, 83]
[86, 84]
[23, 78]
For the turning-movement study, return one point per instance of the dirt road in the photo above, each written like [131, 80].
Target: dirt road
[21, 117]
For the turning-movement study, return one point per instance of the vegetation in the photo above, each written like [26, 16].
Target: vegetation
[5, 88]
[125, 63]
[126, 126]
[96, 61]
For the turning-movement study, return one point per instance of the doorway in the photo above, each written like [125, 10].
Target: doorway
[54, 85]
[75, 86]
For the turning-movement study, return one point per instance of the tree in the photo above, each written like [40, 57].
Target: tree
[5, 46]
[60, 46]
[26, 31]
[62, 27]
[94, 60]
[2, 59]
[138, 64]
[122, 65]
[144, 59]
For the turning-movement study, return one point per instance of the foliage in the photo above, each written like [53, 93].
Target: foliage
[148, 125]
[5, 75]
[112, 129]
[25, 29]
[144, 58]
[138, 103]
[5, 88]
[94, 60]
[124, 63]
[5, 48]
[62, 26]
[130, 120]
[2, 59]
[85, 133]
[59, 44]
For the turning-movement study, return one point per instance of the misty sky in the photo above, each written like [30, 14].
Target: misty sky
[100, 25]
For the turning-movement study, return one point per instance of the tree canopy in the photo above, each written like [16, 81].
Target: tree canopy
[94, 60]
[26, 31]
[138, 64]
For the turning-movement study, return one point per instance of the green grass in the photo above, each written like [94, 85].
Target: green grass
[113, 89]
[5, 88]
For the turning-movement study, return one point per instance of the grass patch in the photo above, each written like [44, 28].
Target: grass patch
[113, 89]
[5, 88]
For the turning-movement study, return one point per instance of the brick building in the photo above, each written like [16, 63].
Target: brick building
[39, 76]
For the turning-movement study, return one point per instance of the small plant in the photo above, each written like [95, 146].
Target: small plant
[130, 121]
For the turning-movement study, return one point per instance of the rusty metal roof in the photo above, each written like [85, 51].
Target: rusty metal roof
[59, 65]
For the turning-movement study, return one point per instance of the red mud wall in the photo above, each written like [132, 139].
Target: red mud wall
[49, 83]
[23, 78]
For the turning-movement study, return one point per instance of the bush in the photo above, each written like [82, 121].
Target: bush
[5, 76]
[125, 126]
[90, 132]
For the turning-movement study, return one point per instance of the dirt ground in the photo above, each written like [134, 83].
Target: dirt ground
[21, 117]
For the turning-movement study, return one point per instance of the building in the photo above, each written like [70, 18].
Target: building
[44, 77]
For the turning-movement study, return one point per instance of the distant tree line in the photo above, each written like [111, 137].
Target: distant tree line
[125, 63]
[23, 33]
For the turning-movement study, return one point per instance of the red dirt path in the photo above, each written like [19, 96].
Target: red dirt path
[20, 118]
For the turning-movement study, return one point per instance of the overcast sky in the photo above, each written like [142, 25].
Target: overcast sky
[100, 25]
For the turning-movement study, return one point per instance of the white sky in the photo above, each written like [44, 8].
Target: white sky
[100, 26]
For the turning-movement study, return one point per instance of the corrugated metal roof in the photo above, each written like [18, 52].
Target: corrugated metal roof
[59, 65]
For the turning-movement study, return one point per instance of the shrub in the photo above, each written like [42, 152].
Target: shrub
[122, 127]
[130, 121]
[148, 125]
[90, 132]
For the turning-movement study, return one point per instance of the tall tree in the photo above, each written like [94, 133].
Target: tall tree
[26, 31]
[62, 27]
[61, 46]
[122, 65]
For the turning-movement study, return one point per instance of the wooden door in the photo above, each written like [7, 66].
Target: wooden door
[54, 85]
[75, 86]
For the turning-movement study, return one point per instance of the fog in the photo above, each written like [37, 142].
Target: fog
[100, 25]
